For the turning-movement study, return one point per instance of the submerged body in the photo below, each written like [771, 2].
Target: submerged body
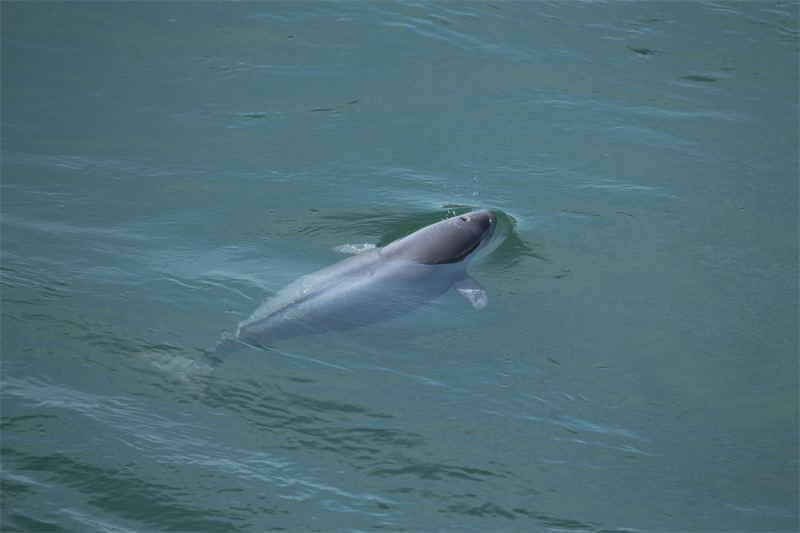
[377, 285]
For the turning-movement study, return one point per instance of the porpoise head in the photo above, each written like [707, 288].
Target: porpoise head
[449, 241]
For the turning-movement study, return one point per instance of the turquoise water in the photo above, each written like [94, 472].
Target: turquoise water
[167, 166]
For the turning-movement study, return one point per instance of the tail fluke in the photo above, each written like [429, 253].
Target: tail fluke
[201, 371]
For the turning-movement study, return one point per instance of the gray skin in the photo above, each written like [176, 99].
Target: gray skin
[376, 285]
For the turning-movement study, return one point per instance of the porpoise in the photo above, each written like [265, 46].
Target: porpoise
[376, 285]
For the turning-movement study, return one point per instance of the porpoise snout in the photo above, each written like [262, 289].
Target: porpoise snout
[485, 220]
